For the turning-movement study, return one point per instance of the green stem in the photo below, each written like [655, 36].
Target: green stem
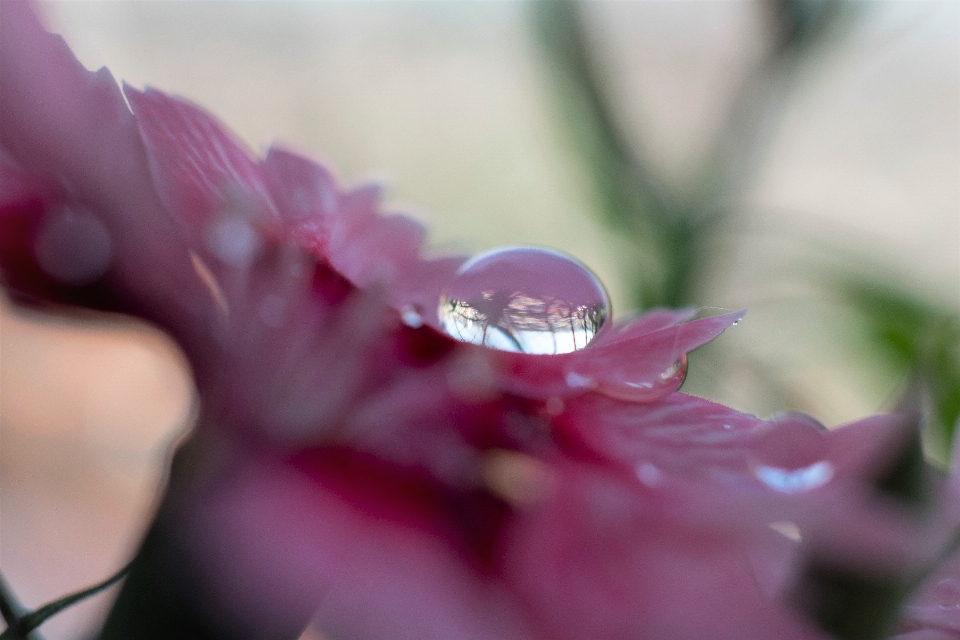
[12, 610]
[34, 619]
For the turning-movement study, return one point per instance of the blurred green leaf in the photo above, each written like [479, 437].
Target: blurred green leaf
[848, 605]
[630, 196]
[800, 21]
[920, 339]
[668, 230]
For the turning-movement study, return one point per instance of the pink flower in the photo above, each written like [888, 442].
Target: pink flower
[378, 475]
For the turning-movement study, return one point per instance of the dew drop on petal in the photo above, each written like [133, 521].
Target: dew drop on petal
[410, 315]
[234, 241]
[648, 389]
[795, 480]
[555, 406]
[649, 474]
[74, 247]
[524, 299]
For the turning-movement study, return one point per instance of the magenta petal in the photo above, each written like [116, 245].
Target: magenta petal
[379, 252]
[603, 560]
[197, 166]
[359, 207]
[358, 222]
[538, 376]
[72, 128]
[645, 368]
[301, 187]
[418, 290]
[58, 118]
[861, 448]
[275, 544]
[681, 434]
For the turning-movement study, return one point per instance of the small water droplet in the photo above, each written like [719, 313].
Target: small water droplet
[410, 315]
[648, 389]
[728, 426]
[578, 381]
[555, 406]
[524, 299]
[795, 480]
[947, 594]
[677, 367]
[649, 474]
[74, 247]
[234, 241]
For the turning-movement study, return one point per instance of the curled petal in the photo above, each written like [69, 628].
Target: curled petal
[645, 367]
[197, 167]
[303, 190]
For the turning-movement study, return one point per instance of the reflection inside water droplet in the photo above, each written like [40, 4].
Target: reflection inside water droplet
[524, 299]
[795, 480]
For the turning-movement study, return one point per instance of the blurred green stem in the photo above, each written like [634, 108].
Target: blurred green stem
[668, 232]
[13, 612]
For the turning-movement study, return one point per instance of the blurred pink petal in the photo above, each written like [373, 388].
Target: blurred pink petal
[353, 462]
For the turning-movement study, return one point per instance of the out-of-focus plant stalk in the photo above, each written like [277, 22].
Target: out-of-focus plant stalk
[669, 230]
[13, 611]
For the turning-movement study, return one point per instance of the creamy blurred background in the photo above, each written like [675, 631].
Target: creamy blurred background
[450, 105]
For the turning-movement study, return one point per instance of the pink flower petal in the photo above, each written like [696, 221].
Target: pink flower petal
[371, 576]
[601, 560]
[303, 189]
[198, 167]
[71, 128]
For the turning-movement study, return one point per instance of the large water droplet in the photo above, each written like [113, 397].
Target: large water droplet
[524, 299]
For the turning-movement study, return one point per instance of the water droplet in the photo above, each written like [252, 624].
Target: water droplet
[649, 389]
[795, 480]
[74, 247]
[410, 315]
[555, 406]
[234, 241]
[524, 299]
[649, 474]
[578, 381]
[947, 594]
